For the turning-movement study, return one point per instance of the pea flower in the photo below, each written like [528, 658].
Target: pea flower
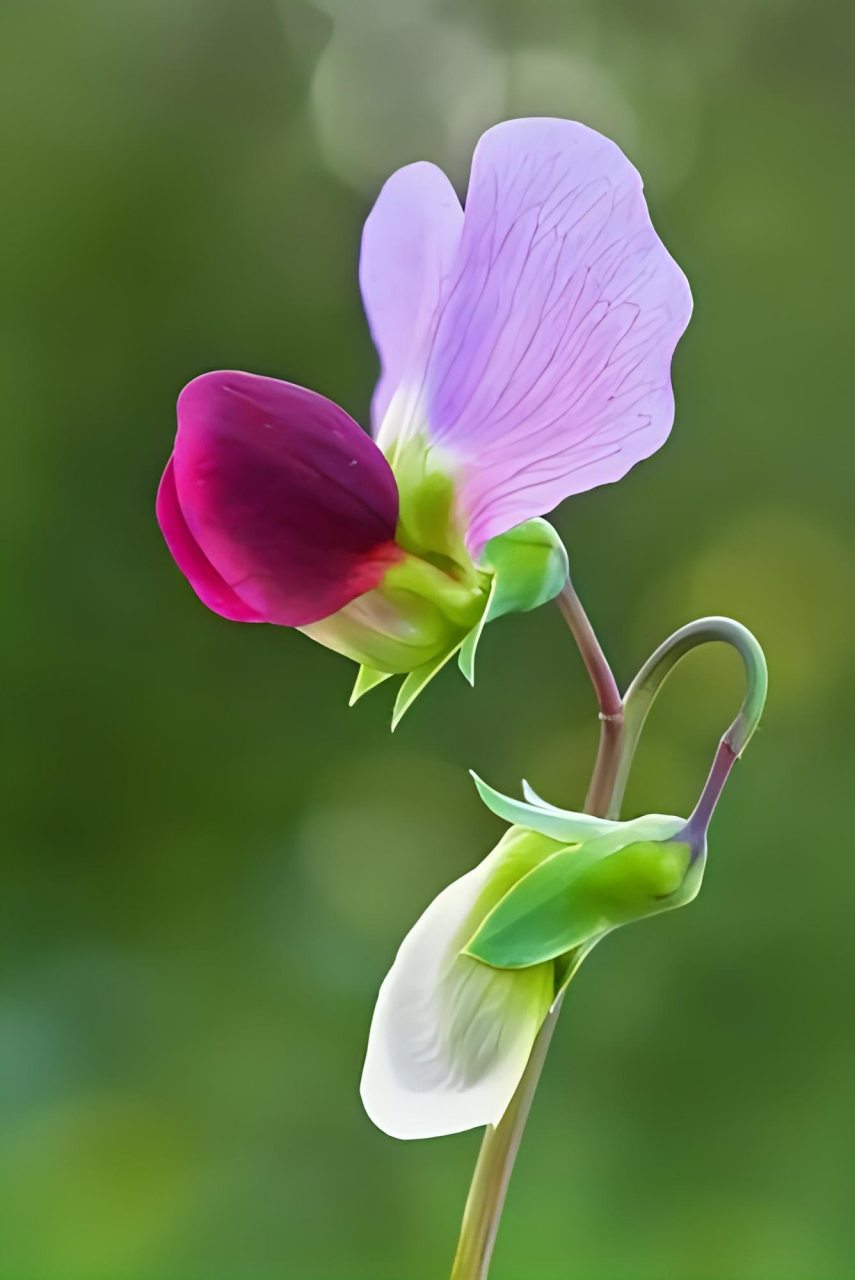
[458, 1013]
[525, 351]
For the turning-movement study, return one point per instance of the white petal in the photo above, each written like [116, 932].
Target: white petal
[450, 1036]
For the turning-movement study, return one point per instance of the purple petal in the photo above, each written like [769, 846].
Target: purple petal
[551, 367]
[408, 246]
[546, 370]
[279, 497]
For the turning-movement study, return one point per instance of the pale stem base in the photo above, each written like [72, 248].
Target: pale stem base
[495, 1165]
[500, 1145]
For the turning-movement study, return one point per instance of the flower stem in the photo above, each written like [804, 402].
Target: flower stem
[605, 685]
[621, 722]
[699, 821]
[501, 1143]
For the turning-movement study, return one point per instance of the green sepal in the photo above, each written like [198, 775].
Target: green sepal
[367, 678]
[466, 661]
[580, 893]
[529, 567]
[559, 824]
[538, 801]
[416, 681]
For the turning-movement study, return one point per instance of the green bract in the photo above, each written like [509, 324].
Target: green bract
[606, 874]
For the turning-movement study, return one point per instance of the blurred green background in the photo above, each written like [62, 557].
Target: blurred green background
[209, 861]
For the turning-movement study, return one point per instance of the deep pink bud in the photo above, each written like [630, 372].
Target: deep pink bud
[276, 506]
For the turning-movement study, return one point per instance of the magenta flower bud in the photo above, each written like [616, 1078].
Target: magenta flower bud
[276, 506]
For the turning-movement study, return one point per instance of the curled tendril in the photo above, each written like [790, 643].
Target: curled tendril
[641, 694]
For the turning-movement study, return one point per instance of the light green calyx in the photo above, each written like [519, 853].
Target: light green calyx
[578, 895]
[605, 874]
[445, 599]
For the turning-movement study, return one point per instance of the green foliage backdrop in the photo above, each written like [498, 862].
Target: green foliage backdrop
[208, 860]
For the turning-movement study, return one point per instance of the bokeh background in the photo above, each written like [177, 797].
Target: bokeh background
[209, 861]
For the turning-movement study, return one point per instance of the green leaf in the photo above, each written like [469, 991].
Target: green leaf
[578, 894]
